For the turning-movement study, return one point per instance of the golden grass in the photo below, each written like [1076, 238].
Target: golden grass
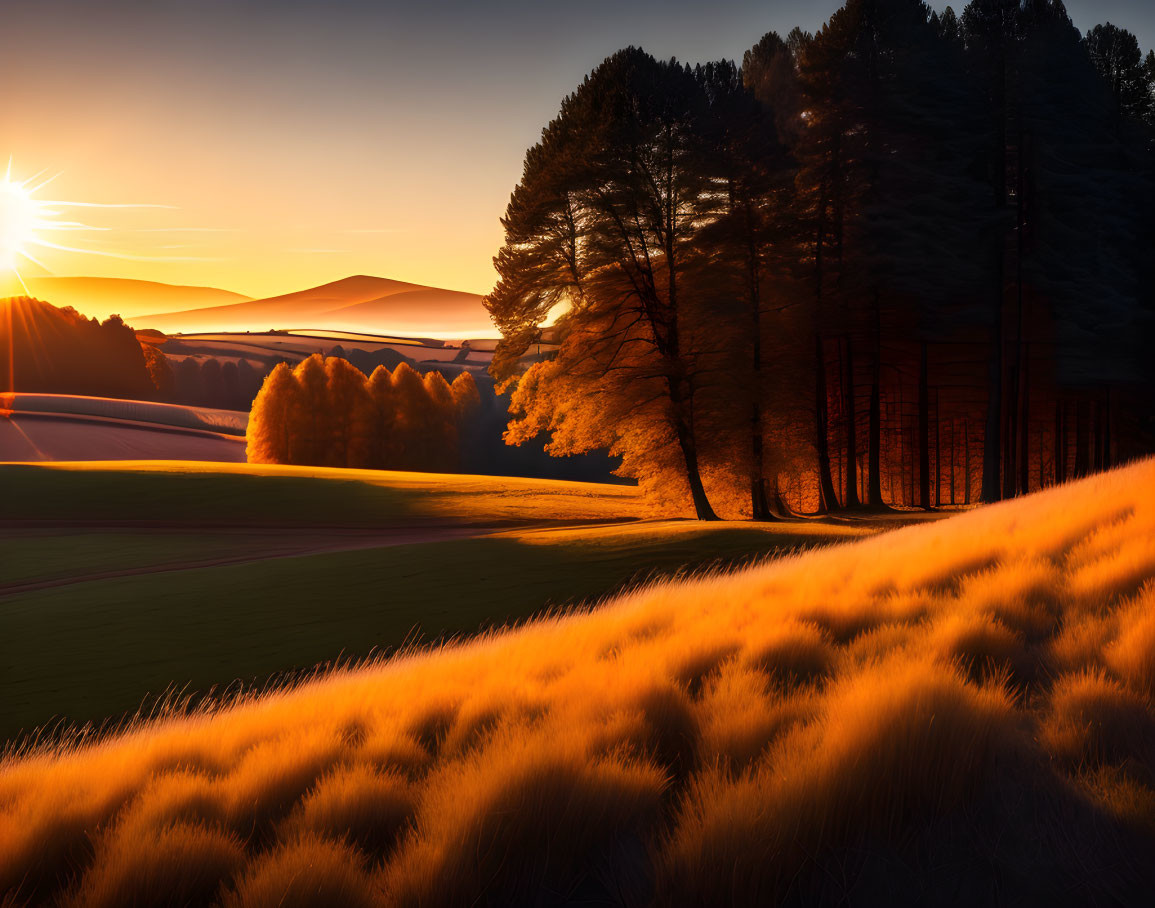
[957, 712]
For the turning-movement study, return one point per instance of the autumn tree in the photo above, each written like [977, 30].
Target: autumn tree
[384, 440]
[350, 407]
[393, 421]
[274, 422]
[602, 222]
[159, 371]
[316, 439]
[410, 419]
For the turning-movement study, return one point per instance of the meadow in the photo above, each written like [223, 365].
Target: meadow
[953, 713]
[212, 576]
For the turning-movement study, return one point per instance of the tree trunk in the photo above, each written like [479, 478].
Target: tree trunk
[1107, 430]
[827, 499]
[952, 466]
[1098, 436]
[1025, 420]
[1011, 433]
[874, 458]
[1017, 411]
[779, 509]
[850, 499]
[1082, 418]
[1060, 454]
[759, 504]
[967, 461]
[759, 499]
[923, 433]
[992, 444]
[689, 447]
[937, 452]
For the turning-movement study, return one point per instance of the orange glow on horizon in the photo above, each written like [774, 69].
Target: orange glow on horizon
[244, 234]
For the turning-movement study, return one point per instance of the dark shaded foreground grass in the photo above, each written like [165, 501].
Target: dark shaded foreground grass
[194, 494]
[955, 714]
[88, 651]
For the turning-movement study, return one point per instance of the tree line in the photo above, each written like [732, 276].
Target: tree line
[326, 412]
[902, 261]
[49, 350]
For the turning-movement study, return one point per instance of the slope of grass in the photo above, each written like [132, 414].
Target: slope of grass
[957, 713]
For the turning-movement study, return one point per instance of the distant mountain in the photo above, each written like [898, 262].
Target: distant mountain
[375, 305]
[99, 297]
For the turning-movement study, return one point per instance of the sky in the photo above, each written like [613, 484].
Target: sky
[286, 144]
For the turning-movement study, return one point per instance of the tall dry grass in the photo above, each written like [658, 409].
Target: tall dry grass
[957, 713]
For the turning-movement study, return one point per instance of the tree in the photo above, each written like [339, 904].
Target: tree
[274, 422]
[466, 398]
[212, 383]
[1117, 58]
[317, 435]
[928, 215]
[350, 407]
[602, 221]
[746, 234]
[439, 428]
[384, 446]
[410, 410]
[48, 350]
[390, 421]
[1149, 79]
[889, 137]
[159, 371]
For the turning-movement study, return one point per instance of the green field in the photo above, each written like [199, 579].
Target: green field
[81, 645]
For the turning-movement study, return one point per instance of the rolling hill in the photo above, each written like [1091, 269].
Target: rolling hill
[50, 427]
[956, 713]
[100, 297]
[361, 303]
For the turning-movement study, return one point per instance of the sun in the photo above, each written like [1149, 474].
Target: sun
[20, 218]
[28, 222]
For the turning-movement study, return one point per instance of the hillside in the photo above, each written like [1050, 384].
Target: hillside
[49, 427]
[100, 297]
[963, 706]
[360, 303]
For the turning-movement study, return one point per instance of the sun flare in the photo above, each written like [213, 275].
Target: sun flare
[20, 218]
[29, 224]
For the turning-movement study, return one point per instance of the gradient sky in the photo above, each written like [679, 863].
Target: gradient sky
[297, 143]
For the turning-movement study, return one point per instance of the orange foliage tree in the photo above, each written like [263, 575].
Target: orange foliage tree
[325, 412]
[602, 222]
